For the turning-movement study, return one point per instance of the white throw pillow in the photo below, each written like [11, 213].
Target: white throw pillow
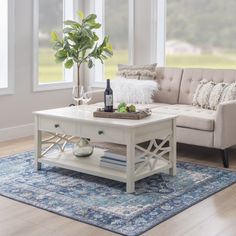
[133, 90]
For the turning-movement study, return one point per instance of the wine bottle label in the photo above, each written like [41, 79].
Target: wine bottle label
[109, 100]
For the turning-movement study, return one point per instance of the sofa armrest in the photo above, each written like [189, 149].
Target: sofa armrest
[96, 95]
[225, 125]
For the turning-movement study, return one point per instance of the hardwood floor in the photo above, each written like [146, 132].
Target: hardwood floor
[215, 216]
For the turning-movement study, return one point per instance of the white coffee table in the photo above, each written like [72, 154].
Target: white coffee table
[73, 121]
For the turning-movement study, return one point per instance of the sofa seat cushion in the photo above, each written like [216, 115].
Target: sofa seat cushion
[190, 116]
[195, 121]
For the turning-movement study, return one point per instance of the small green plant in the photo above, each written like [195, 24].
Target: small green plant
[79, 43]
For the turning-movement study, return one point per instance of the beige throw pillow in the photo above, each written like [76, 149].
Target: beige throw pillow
[196, 94]
[215, 95]
[140, 72]
[202, 94]
[230, 93]
[209, 94]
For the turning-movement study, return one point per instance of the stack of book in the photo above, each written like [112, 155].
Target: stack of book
[115, 158]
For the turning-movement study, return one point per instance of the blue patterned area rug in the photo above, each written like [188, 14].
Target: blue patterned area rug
[104, 203]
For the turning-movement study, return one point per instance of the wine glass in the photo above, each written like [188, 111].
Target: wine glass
[78, 93]
[86, 98]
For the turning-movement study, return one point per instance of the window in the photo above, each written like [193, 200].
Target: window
[117, 27]
[116, 17]
[49, 16]
[6, 78]
[201, 33]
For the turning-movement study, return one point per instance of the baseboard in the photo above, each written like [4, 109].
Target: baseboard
[16, 132]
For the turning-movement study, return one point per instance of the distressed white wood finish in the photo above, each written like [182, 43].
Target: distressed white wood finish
[57, 125]
[153, 154]
[56, 140]
[80, 122]
[38, 143]
[130, 169]
[172, 153]
[89, 165]
[109, 134]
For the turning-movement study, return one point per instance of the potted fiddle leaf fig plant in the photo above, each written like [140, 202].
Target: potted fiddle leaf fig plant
[79, 43]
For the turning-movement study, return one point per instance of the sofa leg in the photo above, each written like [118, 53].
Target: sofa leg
[225, 158]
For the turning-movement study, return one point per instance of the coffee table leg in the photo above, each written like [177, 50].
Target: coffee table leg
[130, 169]
[38, 144]
[172, 154]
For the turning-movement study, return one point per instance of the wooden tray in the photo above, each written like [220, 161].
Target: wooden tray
[116, 115]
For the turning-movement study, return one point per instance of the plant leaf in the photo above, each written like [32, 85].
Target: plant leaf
[90, 64]
[69, 63]
[90, 18]
[80, 14]
[54, 36]
[70, 22]
[59, 59]
[61, 53]
[57, 45]
[108, 52]
[67, 30]
[95, 25]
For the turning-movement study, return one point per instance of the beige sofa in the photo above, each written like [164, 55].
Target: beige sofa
[196, 126]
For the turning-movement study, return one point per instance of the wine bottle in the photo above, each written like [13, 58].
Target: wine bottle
[108, 98]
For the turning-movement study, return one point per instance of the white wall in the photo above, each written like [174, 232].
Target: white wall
[16, 110]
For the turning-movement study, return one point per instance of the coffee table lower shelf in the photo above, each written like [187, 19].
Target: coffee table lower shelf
[90, 165]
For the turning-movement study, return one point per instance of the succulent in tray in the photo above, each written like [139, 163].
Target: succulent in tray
[124, 108]
[131, 108]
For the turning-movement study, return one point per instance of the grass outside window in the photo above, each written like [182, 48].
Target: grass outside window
[50, 72]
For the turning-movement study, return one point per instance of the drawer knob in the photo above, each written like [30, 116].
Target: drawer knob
[100, 132]
[56, 125]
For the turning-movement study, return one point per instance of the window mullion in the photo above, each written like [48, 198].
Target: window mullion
[161, 32]
[68, 14]
[131, 31]
[4, 45]
[99, 8]
[7, 47]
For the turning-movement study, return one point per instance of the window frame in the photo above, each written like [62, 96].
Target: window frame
[98, 69]
[10, 89]
[158, 32]
[69, 75]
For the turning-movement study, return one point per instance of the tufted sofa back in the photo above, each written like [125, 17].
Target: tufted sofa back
[169, 80]
[192, 77]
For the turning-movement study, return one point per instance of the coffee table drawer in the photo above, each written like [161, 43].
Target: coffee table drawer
[103, 133]
[57, 126]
